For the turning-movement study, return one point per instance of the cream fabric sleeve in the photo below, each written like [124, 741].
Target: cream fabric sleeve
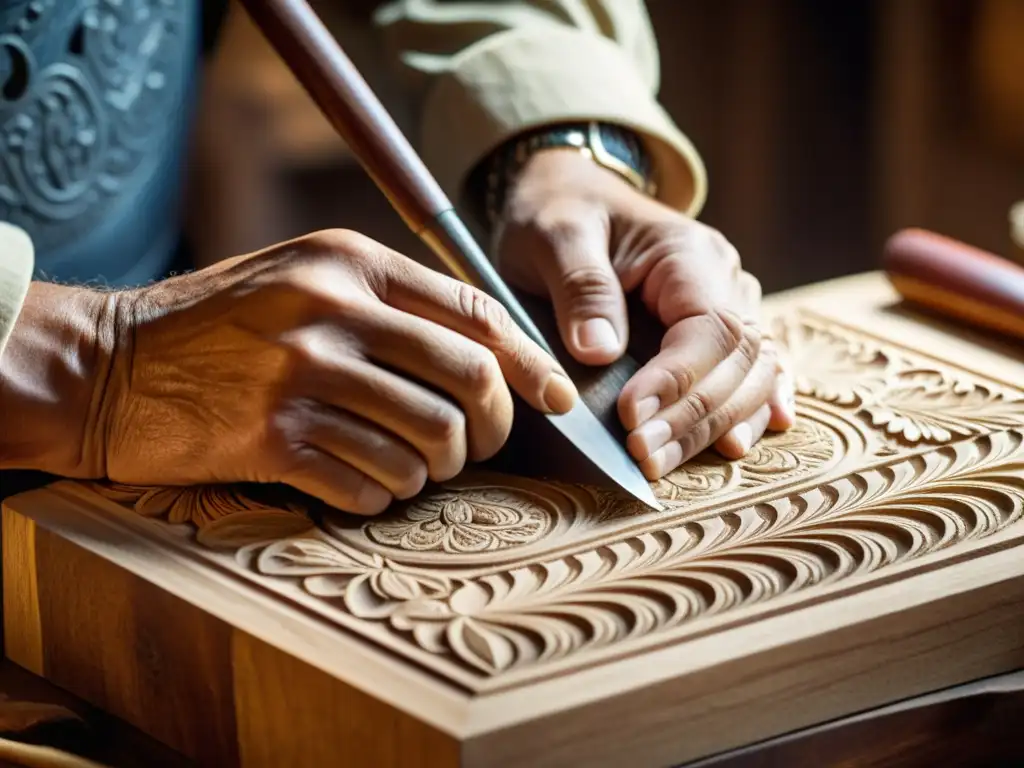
[481, 72]
[16, 262]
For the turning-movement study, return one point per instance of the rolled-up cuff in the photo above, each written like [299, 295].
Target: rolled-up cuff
[514, 81]
[16, 263]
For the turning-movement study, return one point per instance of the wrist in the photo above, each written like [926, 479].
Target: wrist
[612, 147]
[52, 381]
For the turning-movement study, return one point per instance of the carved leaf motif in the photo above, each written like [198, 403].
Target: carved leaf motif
[926, 407]
[370, 586]
[201, 506]
[249, 527]
[471, 520]
[831, 365]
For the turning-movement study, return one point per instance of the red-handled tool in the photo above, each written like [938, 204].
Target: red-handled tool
[957, 280]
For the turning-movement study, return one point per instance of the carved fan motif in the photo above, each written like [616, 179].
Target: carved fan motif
[489, 576]
[911, 403]
[830, 364]
[224, 516]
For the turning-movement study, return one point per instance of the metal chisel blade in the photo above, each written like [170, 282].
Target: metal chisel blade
[593, 440]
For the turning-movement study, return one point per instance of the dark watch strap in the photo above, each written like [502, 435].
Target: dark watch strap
[610, 146]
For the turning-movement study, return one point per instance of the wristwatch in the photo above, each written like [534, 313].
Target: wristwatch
[610, 146]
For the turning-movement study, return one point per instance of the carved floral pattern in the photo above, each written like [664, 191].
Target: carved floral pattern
[463, 521]
[492, 615]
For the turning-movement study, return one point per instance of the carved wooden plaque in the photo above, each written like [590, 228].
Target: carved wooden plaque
[873, 552]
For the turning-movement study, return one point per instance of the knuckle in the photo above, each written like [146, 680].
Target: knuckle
[448, 425]
[491, 319]
[589, 283]
[696, 440]
[682, 380]
[300, 354]
[721, 421]
[276, 437]
[726, 329]
[749, 345]
[561, 223]
[482, 373]
[699, 406]
[308, 290]
[334, 241]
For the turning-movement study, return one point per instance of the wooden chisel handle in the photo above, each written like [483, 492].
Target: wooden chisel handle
[957, 280]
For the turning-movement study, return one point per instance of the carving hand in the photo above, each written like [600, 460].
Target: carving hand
[576, 232]
[329, 363]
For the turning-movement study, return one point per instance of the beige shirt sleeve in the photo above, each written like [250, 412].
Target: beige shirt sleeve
[480, 72]
[16, 261]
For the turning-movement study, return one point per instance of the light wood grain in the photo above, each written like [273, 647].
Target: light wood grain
[289, 713]
[23, 642]
[873, 553]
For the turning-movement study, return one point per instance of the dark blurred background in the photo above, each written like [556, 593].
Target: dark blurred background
[825, 126]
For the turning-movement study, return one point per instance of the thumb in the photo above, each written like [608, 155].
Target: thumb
[589, 303]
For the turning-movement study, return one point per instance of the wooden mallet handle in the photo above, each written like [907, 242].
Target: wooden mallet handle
[957, 280]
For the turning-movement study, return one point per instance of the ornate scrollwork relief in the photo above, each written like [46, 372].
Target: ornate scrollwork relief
[488, 575]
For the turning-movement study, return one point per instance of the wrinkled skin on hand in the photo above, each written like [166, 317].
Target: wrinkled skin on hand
[578, 233]
[329, 363]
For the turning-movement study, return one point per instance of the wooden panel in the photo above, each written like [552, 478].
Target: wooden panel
[872, 553]
[135, 651]
[290, 713]
[23, 640]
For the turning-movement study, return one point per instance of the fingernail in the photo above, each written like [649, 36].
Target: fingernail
[744, 437]
[652, 435]
[598, 335]
[559, 393]
[646, 408]
[664, 461]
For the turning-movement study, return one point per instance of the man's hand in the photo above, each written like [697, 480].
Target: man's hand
[329, 363]
[576, 232]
